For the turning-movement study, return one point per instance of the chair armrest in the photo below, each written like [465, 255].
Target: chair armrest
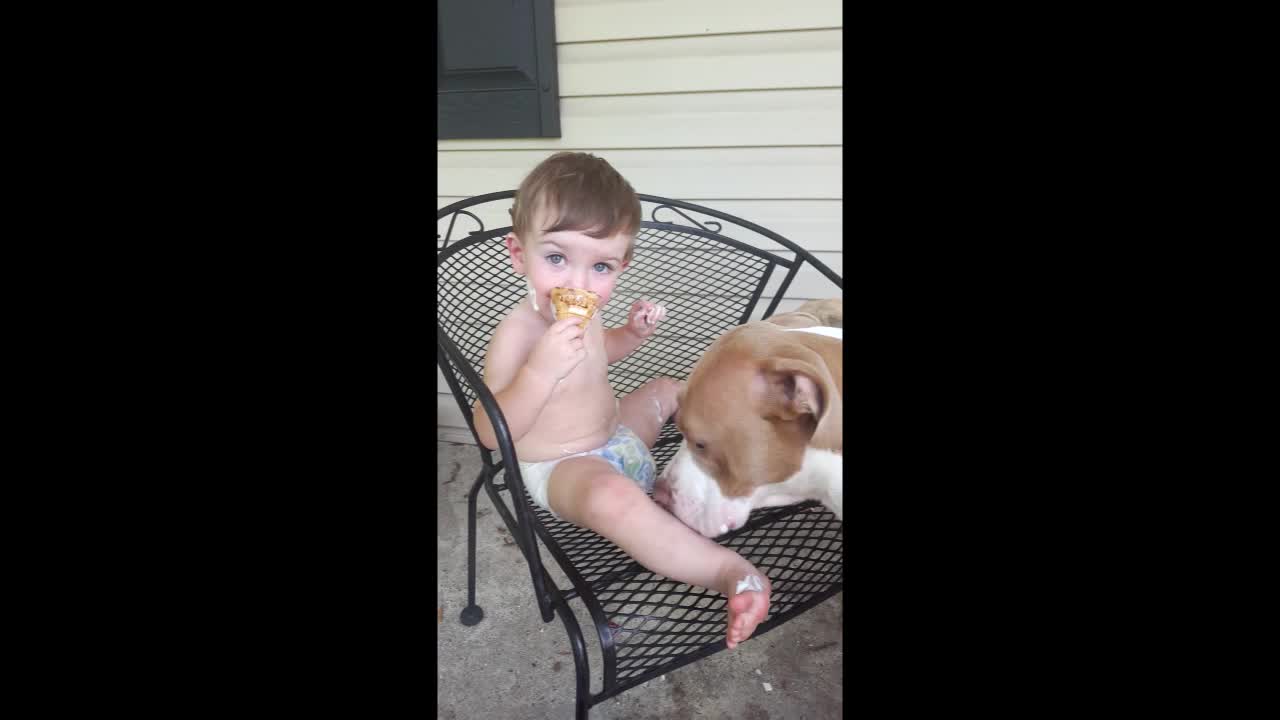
[451, 360]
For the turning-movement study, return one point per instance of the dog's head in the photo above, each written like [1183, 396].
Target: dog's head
[756, 402]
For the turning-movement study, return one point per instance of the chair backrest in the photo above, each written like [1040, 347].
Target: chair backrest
[475, 289]
[708, 282]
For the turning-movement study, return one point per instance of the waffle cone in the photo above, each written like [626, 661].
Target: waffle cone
[567, 302]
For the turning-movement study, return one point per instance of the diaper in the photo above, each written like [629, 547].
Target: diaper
[625, 451]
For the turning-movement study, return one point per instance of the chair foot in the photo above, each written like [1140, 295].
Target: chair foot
[472, 614]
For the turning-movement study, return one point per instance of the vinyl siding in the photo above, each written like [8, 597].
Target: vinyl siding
[594, 20]
[735, 104]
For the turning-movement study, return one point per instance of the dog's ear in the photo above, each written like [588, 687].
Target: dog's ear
[793, 388]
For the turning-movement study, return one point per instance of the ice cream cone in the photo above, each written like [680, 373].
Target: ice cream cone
[574, 302]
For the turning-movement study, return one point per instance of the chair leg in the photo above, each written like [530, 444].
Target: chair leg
[581, 668]
[472, 614]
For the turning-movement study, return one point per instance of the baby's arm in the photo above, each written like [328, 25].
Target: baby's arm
[522, 367]
[620, 342]
[643, 319]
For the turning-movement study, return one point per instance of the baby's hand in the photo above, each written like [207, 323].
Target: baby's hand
[644, 317]
[559, 350]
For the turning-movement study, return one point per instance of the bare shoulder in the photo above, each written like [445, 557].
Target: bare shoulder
[510, 345]
[520, 325]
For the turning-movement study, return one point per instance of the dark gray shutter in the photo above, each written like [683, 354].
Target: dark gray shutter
[496, 69]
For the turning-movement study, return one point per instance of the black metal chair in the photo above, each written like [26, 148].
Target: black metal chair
[647, 624]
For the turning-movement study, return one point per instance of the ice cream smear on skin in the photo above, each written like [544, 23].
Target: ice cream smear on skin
[654, 314]
[533, 295]
[750, 582]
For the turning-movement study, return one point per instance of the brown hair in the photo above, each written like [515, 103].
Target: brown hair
[580, 192]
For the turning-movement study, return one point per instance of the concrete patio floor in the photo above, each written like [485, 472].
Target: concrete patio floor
[512, 665]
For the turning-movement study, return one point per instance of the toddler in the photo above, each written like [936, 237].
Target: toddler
[584, 454]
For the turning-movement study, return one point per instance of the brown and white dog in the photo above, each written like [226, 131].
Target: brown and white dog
[762, 417]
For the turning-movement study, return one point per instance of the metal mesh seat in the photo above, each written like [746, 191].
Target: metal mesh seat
[646, 624]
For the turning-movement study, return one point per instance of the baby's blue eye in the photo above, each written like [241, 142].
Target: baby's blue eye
[603, 267]
[555, 258]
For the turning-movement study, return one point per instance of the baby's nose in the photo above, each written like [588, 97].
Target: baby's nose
[579, 279]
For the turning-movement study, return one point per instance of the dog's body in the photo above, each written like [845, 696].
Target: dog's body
[762, 417]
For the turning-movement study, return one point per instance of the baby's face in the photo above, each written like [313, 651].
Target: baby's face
[569, 259]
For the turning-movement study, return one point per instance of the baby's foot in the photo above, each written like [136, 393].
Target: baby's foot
[748, 606]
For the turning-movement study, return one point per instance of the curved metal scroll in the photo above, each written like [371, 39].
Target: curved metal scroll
[654, 216]
[448, 234]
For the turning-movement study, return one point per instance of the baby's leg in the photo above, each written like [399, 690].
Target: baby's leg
[588, 492]
[646, 409]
